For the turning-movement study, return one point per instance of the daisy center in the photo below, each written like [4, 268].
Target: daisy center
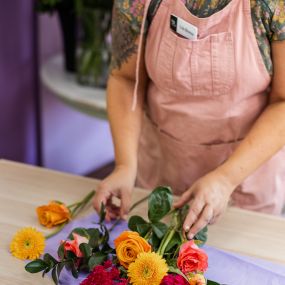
[27, 243]
[147, 272]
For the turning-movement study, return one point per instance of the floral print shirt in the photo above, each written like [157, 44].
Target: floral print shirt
[268, 17]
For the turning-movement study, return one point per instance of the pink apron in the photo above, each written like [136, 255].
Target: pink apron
[203, 97]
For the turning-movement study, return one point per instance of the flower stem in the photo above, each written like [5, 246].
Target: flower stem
[148, 234]
[165, 241]
[131, 209]
[82, 204]
[56, 231]
[138, 203]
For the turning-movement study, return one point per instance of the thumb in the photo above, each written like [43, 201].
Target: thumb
[185, 197]
[125, 204]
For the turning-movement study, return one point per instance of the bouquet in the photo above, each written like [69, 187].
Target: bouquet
[150, 252]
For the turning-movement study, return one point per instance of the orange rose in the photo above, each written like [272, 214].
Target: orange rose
[128, 245]
[192, 259]
[53, 214]
[197, 279]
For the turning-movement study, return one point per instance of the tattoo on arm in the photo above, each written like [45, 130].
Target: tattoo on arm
[123, 38]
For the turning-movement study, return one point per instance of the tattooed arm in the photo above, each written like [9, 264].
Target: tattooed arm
[125, 123]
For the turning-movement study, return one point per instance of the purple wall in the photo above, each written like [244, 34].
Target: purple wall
[17, 122]
[72, 141]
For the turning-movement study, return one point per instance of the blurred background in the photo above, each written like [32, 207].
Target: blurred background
[54, 57]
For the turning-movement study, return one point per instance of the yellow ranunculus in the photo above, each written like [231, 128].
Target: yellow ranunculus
[53, 214]
[128, 245]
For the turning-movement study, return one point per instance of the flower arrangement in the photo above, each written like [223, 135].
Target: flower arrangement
[150, 252]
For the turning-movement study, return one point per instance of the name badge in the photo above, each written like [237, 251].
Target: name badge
[183, 28]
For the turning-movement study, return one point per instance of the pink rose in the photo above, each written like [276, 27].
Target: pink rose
[191, 258]
[73, 245]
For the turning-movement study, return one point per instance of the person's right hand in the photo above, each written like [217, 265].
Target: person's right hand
[120, 184]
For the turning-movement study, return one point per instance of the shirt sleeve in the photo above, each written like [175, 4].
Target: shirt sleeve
[278, 21]
[126, 25]
[133, 11]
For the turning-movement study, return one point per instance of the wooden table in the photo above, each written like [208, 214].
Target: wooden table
[23, 188]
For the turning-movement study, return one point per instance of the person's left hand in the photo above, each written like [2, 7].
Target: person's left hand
[208, 199]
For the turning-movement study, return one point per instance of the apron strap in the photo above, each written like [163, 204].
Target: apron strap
[141, 37]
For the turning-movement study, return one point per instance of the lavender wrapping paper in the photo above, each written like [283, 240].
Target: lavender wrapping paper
[226, 268]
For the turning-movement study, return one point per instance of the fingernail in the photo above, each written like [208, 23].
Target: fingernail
[125, 217]
[186, 229]
[190, 236]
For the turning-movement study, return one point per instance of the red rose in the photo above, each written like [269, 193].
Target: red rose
[192, 259]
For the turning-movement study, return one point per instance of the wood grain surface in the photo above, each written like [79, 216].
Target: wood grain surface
[23, 188]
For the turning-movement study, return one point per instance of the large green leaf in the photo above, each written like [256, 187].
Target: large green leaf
[80, 231]
[159, 229]
[202, 236]
[159, 203]
[138, 224]
[36, 266]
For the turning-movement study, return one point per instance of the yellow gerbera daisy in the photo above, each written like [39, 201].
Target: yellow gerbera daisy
[28, 243]
[148, 268]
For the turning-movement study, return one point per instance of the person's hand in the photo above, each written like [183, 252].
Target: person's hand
[208, 198]
[120, 184]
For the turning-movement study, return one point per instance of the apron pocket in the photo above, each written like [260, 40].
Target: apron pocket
[203, 67]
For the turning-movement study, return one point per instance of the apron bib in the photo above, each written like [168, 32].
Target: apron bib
[203, 97]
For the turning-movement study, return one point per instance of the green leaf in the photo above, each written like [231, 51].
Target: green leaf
[54, 275]
[94, 235]
[202, 236]
[36, 266]
[70, 265]
[159, 203]
[60, 251]
[70, 255]
[155, 242]
[50, 260]
[59, 268]
[96, 259]
[138, 224]
[46, 271]
[209, 282]
[80, 231]
[159, 229]
[107, 249]
[85, 249]
[74, 271]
